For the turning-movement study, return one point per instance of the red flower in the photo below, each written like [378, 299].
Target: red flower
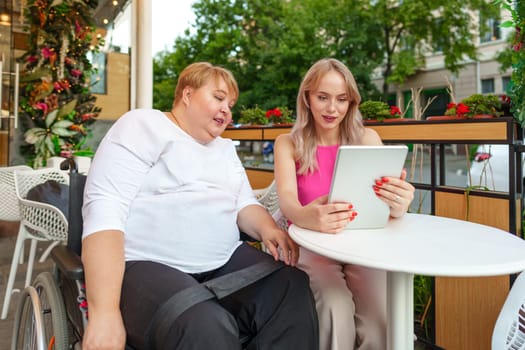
[87, 116]
[461, 109]
[394, 110]
[451, 105]
[273, 113]
[79, 128]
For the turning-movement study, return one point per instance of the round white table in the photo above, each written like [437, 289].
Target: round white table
[419, 244]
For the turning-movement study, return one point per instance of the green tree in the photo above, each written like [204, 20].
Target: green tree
[412, 29]
[269, 45]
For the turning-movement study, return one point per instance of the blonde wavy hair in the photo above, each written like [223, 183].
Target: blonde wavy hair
[198, 74]
[303, 132]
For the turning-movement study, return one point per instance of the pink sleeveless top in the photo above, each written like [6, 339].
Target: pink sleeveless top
[313, 185]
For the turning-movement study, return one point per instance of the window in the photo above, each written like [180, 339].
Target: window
[438, 105]
[487, 86]
[98, 78]
[492, 31]
[505, 83]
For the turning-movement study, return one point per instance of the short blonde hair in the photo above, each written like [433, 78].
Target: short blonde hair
[198, 74]
[303, 132]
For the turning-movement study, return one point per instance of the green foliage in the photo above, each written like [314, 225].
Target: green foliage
[257, 116]
[405, 40]
[423, 287]
[378, 110]
[55, 101]
[514, 57]
[269, 45]
[253, 116]
[482, 104]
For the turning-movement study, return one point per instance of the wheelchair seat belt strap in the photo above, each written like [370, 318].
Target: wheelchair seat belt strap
[218, 287]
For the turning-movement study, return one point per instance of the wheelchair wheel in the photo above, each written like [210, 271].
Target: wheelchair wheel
[28, 329]
[40, 321]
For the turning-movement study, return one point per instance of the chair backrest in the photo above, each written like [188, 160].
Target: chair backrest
[509, 331]
[268, 197]
[9, 210]
[42, 220]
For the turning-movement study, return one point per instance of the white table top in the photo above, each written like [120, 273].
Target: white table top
[424, 245]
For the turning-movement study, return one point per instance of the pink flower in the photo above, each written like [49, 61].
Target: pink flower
[47, 52]
[76, 73]
[481, 156]
[66, 153]
[78, 28]
[57, 86]
[41, 106]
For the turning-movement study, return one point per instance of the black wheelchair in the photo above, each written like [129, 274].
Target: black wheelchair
[52, 313]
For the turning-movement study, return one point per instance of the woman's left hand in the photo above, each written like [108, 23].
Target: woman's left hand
[396, 192]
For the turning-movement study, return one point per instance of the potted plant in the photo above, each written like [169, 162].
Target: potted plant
[56, 102]
[379, 110]
[476, 106]
[274, 116]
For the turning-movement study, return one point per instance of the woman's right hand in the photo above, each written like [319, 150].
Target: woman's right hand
[319, 215]
[104, 331]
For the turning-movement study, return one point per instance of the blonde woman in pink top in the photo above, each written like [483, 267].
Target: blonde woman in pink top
[348, 297]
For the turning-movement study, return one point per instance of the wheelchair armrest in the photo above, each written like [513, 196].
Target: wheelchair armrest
[68, 262]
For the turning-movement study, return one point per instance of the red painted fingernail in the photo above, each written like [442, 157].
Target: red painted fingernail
[350, 206]
[384, 179]
[376, 188]
[379, 183]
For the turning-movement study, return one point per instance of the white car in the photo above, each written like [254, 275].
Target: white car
[490, 168]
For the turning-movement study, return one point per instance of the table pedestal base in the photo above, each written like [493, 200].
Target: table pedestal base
[400, 311]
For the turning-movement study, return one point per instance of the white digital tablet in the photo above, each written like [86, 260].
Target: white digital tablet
[355, 171]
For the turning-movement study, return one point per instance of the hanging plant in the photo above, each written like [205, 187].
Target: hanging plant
[56, 104]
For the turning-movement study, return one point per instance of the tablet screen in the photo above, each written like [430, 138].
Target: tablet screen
[355, 171]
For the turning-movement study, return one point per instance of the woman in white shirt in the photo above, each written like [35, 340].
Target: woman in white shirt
[164, 201]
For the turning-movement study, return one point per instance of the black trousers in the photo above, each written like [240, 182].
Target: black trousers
[276, 312]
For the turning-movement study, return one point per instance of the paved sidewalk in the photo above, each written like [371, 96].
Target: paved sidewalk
[7, 245]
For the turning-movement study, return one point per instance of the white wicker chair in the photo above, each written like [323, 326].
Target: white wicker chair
[9, 210]
[509, 331]
[39, 222]
[268, 198]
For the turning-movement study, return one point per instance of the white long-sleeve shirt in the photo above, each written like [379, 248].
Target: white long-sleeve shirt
[176, 200]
